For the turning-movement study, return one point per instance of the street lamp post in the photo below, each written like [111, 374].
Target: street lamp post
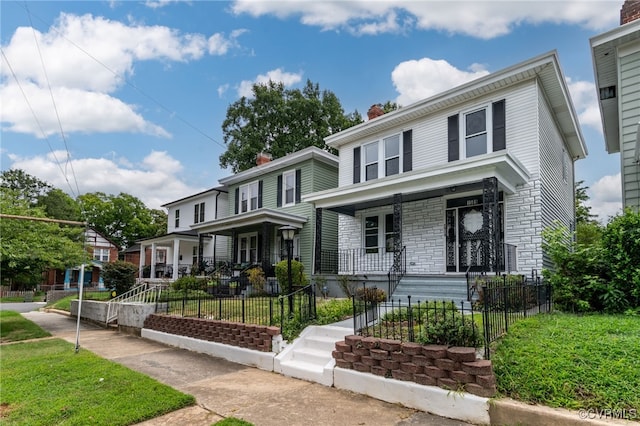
[287, 234]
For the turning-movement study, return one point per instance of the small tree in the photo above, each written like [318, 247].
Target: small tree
[298, 277]
[119, 276]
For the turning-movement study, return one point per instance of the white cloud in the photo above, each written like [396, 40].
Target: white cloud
[156, 4]
[218, 44]
[605, 197]
[419, 79]
[585, 101]
[86, 59]
[481, 19]
[222, 90]
[155, 180]
[278, 75]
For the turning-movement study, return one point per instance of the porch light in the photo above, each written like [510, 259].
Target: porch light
[288, 232]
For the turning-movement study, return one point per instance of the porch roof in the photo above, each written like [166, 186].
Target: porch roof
[227, 224]
[170, 238]
[425, 183]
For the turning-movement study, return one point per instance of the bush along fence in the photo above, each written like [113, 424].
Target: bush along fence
[502, 300]
[269, 310]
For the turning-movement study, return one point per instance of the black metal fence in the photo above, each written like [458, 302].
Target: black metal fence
[502, 301]
[300, 306]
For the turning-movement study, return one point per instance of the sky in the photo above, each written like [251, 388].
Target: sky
[130, 96]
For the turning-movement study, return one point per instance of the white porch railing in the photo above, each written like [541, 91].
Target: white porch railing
[144, 293]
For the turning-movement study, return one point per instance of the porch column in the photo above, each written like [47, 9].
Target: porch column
[234, 246]
[317, 257]
[176, 259]
[397, 223]
[490, 226]
[201, 250]
[141, 262]
[266, 244]
[67, 279]
[152, 274]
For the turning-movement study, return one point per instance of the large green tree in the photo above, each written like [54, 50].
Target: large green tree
[279, 121]
[24, 185]
[30, 246]
[122, 218]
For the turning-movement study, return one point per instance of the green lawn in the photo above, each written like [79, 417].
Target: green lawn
[46, 383]
[15, 327]
[571, 361]
[64, 304]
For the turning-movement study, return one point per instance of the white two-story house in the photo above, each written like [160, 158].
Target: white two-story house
[182, 248]
[463, 181]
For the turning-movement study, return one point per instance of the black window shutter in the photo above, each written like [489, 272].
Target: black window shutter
[499, 133]
[356, 165]
[454, 135]
[407, 150]
[279, 192]
[298, 185]
[237, 201]
[259, 194]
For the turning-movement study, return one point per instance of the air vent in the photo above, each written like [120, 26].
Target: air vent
[607, 92]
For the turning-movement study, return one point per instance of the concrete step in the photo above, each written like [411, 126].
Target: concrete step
[312, 356]
[323, 343]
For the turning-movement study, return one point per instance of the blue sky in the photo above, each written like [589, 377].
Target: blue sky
[130, 96]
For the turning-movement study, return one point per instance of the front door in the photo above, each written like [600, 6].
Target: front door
[464, 234]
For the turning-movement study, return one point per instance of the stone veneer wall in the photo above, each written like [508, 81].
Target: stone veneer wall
[250, 336]
[452, 368]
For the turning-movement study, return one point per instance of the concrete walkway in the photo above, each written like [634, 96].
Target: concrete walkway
[225, 389]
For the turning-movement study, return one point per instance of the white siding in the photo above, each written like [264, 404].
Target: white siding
[430, 132]
[187, 209]
[630, 116]
[557, 193]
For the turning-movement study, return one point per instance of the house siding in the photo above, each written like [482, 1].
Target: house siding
[430, 146]
[557, 194]
[630, 116]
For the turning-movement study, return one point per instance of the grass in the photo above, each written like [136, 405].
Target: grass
[64, 304]
[233, 421]
[46, 382]
[570, 361]
[15, 327]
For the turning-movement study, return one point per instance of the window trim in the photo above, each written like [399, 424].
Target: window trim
[177, 218]
[102, 251]
[285, 174]
[462, 139]
[198, 212]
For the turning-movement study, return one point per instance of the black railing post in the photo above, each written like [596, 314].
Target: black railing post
[199, 305]
[506, 308]
[485, 322]
[243, 310]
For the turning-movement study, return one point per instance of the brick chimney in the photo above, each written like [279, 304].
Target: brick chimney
[374, 111]
[630, 11]
[262, 158]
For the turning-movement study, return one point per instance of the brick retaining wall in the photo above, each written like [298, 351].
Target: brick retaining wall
[452, 368]
[250, 336]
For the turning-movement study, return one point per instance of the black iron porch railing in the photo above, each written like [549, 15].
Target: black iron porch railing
[397, 270]
[356, 261]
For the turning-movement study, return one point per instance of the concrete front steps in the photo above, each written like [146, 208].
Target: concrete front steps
[309, 357]
[432, 287]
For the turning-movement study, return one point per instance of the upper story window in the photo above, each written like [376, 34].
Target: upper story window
[477, 132]
[177, 218]
[289, 188]
[386, 157]
[198, 213]
[101, 254]
[248, 197]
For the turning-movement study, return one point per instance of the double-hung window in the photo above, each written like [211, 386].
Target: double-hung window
[392, 155]
[289, 187]
[388, 156]
[177, 218]
[371, 161]
[198, 213]
[378, 233]
[477, 131]
[101, 254]
[249, 197]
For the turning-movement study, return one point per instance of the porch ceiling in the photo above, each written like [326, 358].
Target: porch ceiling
[226, 225]
[168, 239]
[465, 175]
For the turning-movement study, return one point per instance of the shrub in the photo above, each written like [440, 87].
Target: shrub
[298, 277]
[347, 285]
[257, 279]
[449, 328]
[119, 276]
[189, 282]
[371, 294]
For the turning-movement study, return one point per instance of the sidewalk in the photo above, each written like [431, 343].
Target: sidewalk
[225, 389]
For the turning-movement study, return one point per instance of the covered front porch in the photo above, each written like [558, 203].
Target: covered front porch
[255, 238]
[436, 221]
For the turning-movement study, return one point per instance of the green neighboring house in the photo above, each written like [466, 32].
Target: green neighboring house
[267, 197]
